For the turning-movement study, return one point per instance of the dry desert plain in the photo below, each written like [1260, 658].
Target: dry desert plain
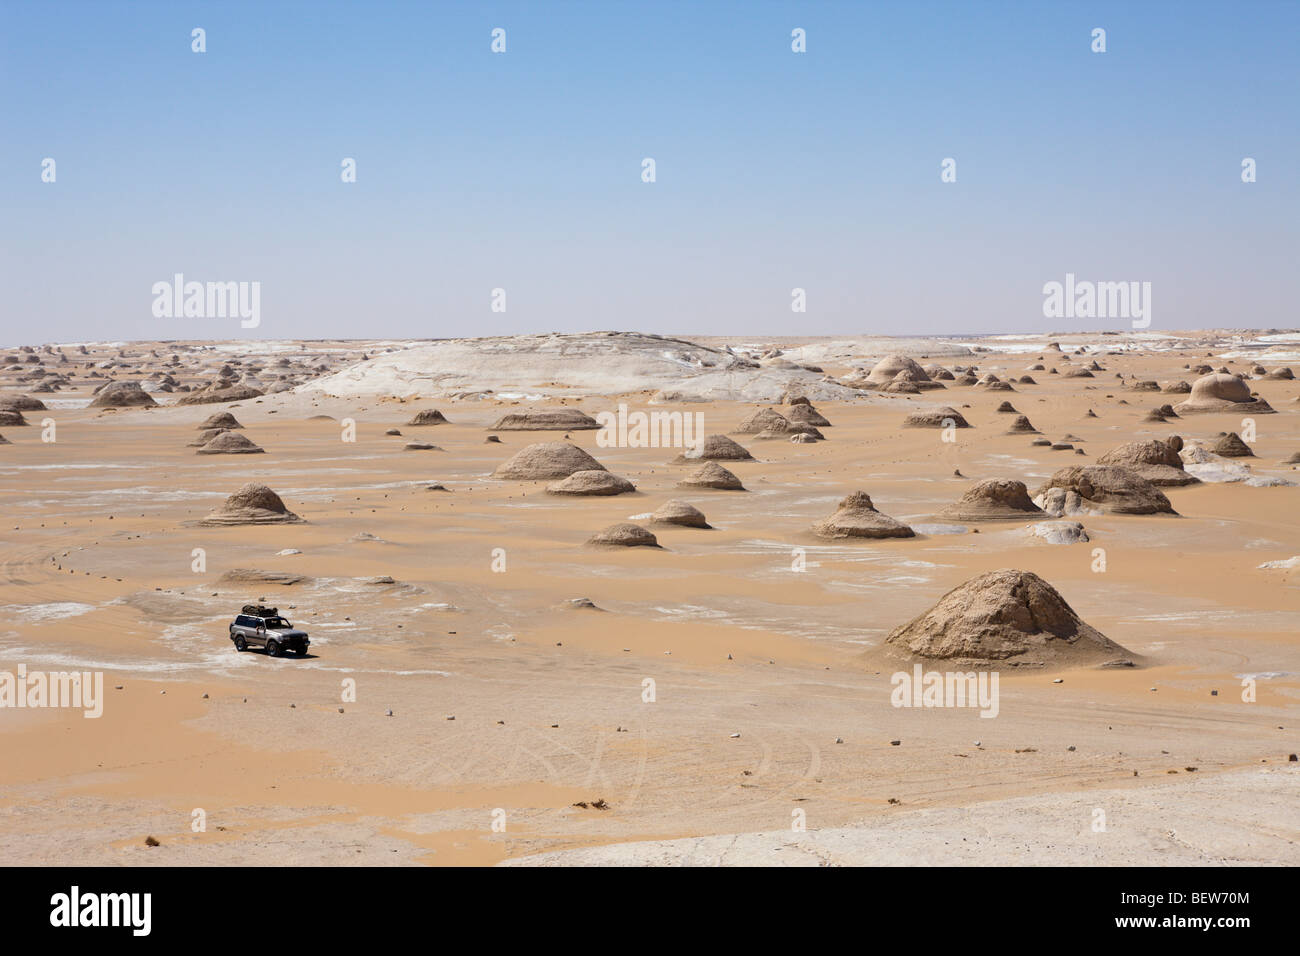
[497, 719]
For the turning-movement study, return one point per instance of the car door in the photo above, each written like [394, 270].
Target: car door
[248, 627]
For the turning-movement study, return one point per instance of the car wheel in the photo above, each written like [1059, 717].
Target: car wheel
[273, 648]
[240, 643]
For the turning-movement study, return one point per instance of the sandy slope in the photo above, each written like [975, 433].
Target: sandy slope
[1233, 818]
[98, 573]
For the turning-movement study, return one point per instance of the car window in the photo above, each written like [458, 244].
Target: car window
[241, 620]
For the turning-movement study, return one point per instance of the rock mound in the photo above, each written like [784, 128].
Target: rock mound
[254, 503]
[945, 417]
[547, 460]
[888, 369]
[711, 475]
[1106, 488]
[1231, 446]
[122, 395]
[716, 448]
[204, 437]
[857, 517]
[1157, 461]
[678, 512]
[546, 420]
[1220, 392]
[429, 416]
[918, 378]
[221, 420]
[1005, 617]
[25, 403]
[994, 499]
[805, 414]
[624, 535]
[763, 420]
[599, 483]
[219, 391]
[229, 443]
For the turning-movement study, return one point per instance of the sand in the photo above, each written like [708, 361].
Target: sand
[461, 604]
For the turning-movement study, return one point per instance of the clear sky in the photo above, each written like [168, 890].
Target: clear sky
[522, 170]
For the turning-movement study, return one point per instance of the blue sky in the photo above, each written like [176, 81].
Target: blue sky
[522, 170]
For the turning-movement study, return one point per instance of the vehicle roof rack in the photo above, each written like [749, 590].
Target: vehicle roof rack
[261, 610]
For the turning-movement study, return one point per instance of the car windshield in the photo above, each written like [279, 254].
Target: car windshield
[276, 622]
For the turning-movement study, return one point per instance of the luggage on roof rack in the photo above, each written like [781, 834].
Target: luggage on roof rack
[259, 610]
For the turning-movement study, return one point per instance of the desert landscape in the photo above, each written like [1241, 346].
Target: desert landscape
[615, 597]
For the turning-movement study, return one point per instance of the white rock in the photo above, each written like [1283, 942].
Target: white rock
[585, 364]
[1059, 532]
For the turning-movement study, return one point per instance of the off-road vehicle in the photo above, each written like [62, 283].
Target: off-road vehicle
[259, 626]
